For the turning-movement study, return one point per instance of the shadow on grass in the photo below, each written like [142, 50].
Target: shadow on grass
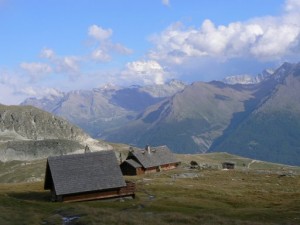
[32, 196]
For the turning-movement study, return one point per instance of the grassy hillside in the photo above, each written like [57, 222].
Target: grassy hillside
[21, 172]
[261, 194]
[273, 137]
[272, 131]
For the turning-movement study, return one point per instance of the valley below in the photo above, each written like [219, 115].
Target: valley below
[255, 192]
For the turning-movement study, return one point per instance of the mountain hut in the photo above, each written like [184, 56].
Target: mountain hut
[89, 176]
[149, 160]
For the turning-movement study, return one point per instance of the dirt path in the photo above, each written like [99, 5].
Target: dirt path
[253, 161]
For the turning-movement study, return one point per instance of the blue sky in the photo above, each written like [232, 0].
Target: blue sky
[60, 45]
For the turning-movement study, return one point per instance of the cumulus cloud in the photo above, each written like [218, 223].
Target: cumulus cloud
[105, 47]
[69, 65]
[100, 55]
[264, 39]
[99, 33]
[144, 72]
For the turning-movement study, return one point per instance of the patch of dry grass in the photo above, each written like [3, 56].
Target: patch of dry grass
[268, 194]
[213, 197]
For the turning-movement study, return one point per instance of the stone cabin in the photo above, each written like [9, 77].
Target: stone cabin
[149, 160]
[89, 176]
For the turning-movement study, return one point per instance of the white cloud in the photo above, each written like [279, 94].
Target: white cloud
[276, 42]
[204, 51]
[36, 69]
[10, 84]
[144, 72]
[262, 39]
[100, 55]
[166, 2]
[104, 48]
[28, 91]
[292, 5]
[39, 92]
[117, 47]
[15, 87]
[99, 33]
[12, 79]
[7, 95]
[69, 65]
[47, 53]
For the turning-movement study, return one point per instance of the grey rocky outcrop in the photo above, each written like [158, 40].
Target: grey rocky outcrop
[28, 133]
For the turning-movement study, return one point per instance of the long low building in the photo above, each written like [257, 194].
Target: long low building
[88, 176]
[149, 160]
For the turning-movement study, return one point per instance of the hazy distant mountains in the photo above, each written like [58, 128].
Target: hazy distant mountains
[105, 108]
[258, 117]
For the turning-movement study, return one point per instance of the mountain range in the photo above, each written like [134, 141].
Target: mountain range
[256, 117]
[104, 108]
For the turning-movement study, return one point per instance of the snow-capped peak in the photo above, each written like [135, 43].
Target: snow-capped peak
[249, 79]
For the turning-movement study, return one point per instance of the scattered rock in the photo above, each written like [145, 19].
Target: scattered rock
[186, 175]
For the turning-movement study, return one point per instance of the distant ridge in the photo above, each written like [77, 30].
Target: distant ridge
[106, 107]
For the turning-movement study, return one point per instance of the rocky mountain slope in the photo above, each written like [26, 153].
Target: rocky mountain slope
[272, 130]
[189, 121]
[259, 120]
[104, 108]
[28, 133]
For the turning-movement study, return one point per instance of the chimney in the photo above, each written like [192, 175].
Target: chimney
[148, 149]
[131, 149]
[87, 149]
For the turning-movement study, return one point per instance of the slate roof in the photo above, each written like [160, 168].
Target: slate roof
[83, 172]
[158, 156]
[133, 163]
[229, 162]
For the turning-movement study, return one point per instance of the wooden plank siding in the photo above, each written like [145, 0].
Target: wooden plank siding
[129, 190]
[169, 166]
[153, 169]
